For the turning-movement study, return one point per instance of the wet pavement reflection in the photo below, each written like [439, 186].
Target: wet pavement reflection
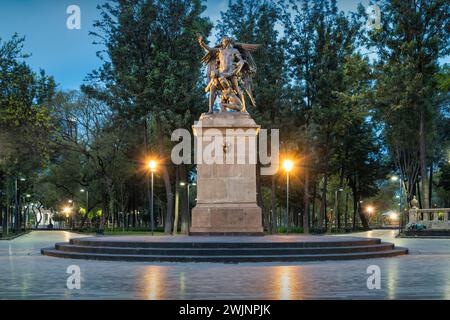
[25, 274]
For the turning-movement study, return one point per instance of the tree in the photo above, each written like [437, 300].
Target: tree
[413, 36]
[257, 22]
[96, 159]
[330, 91]
[151, 71]
[25, 120]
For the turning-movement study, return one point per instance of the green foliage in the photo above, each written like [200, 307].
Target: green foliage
[331, 93]
[150, 78]
[257, 22]
[414, 35]
[152, 62]
[25, 107]
[26, 124]
[443, 79]
[294, 229]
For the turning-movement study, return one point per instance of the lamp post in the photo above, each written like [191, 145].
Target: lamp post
[287, 165]
[370, 210]
[395, 179]
[152, 166]
[87, 200]
[67, 211]
[335, 209]
[16, 207]
[16, 204]
[72, 211]
[26, 201]
[4, 217]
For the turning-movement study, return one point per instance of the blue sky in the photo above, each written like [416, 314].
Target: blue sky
[66, 54]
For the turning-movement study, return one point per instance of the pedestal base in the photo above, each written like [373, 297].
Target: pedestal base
[227, 219]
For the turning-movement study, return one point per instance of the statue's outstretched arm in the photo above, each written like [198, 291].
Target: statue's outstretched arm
[204, 46]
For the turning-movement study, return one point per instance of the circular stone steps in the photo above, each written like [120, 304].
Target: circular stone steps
[223, 249]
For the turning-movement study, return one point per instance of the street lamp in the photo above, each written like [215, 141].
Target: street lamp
[72, 213]
[152, 165]
[24, 202]
[67, 211]
[87, 200]
[393, 217]
[335, 209]
[370, 209]
[287, 166]
[16, 204]
[395, 179]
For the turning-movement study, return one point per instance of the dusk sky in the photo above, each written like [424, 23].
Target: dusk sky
[69, 55]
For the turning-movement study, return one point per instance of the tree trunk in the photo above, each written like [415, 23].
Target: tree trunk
[105, 206]
[4, 219]
[184, 201]
[259, 198]
[16, 210]
[111, 210]
[419, 195]
[313, 211]
[273, 222]
[306, 203]
[423, 162]
[355, 208]
[346, 211]
[430, 185]
[363, 219]
[38, 222]
[338, 198]
[170, 201]
[324, 202]
[83, 219]
[177, 200]
[166, 178]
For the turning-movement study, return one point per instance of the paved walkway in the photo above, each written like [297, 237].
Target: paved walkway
[26, 274]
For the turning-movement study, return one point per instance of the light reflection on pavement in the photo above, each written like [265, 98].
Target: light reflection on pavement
[26, 274]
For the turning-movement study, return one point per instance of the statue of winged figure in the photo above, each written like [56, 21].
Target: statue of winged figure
[230, 69]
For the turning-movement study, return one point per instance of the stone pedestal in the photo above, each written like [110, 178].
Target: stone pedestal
[226, 155]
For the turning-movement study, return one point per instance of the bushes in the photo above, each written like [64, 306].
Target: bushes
[282, 230]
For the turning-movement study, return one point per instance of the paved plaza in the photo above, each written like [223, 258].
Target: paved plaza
[26, 274]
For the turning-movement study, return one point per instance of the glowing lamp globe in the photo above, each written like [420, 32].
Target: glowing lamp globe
[152, 165]
[288, 165]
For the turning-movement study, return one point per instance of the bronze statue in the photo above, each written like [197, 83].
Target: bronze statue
[230, 68]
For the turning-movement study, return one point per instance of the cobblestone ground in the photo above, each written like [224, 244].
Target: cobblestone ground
[26, 274]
